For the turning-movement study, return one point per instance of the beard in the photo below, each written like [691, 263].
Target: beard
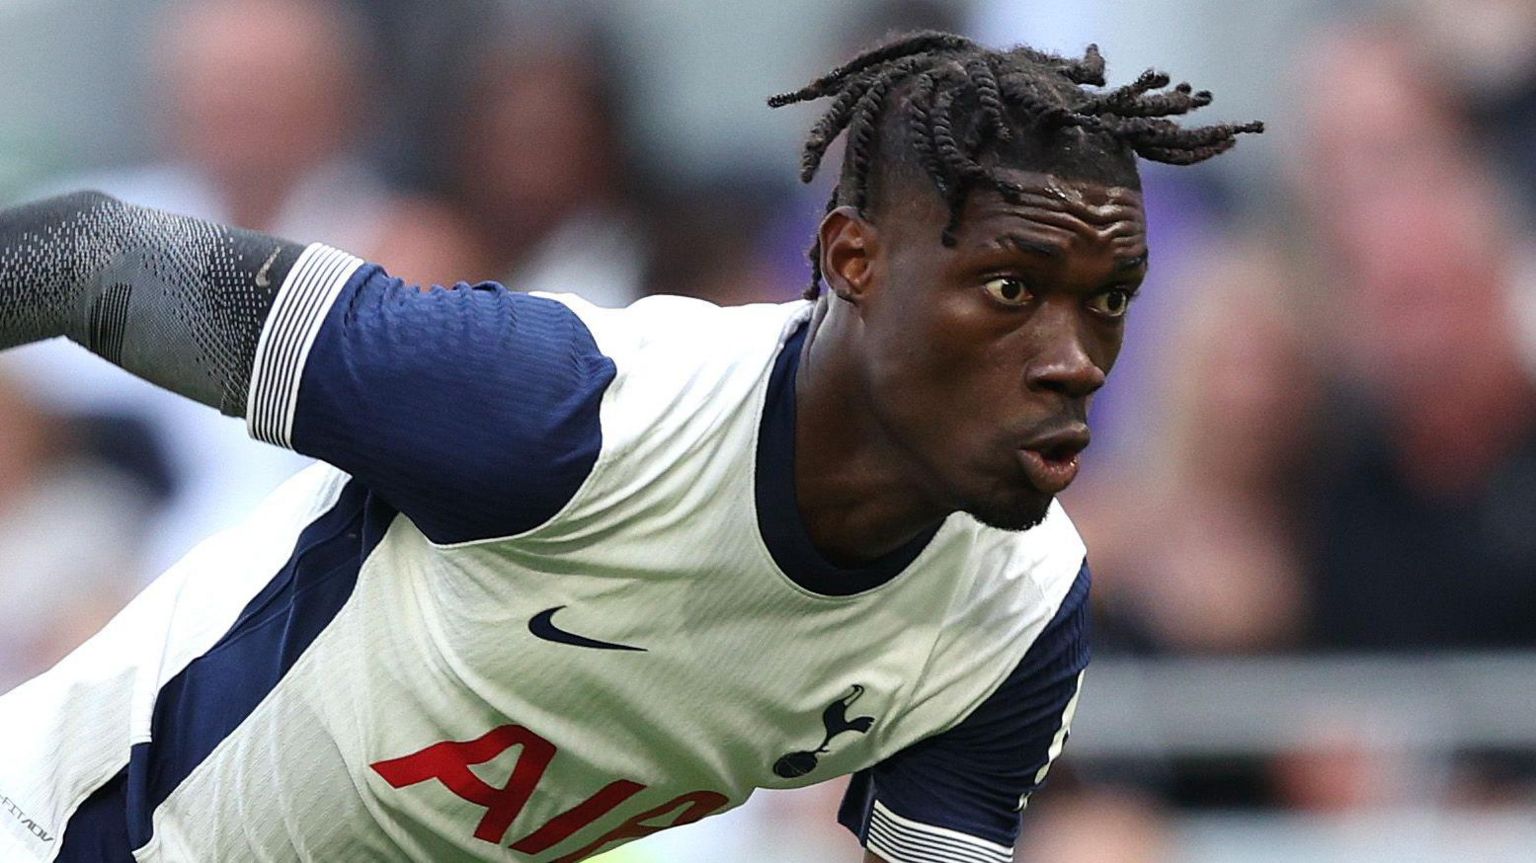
[1015, 515]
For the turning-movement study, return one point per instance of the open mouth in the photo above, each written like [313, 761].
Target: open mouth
[1050, 470]
[1051, 460]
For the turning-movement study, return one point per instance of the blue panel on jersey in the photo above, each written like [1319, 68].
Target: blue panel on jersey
[472, 409]
[971, 777]
[778, 512]
[98, 831]
[199, 707]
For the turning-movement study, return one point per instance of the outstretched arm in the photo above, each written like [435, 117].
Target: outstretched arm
[474, 410]
[175, 300]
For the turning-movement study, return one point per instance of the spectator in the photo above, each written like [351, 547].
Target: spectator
[541, 169]
[1091, 825]
[1481, 50]
[1195, 545]
[263, 105]
[59, 586]
[1424, 521]
[710, 242]
[266, 110]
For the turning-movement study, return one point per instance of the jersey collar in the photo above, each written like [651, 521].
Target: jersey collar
[778, 513]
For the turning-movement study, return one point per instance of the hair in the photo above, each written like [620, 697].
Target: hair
[957, 112]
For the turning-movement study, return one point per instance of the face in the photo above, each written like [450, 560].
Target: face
[979, 360]
[258, 89]
[540, 144]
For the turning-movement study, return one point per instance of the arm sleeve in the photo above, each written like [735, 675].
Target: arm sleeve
[956, 797]
[177, 301]
[473, 409]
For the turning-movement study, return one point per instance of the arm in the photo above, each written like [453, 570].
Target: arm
[175, 300]
[473, 410]
[957, 796]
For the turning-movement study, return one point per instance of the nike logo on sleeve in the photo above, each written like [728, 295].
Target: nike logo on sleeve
[264, 275]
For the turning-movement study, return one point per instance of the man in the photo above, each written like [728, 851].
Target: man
[1422, 533]
[579, 575]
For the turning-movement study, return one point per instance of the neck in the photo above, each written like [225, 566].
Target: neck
[857, 493]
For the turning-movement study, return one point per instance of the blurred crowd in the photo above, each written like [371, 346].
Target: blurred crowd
[1321, 437]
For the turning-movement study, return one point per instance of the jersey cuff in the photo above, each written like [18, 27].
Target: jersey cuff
[302, 302]
[902, 840]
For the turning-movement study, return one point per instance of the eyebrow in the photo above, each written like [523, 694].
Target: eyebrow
[1030, 246]
[1026, 245]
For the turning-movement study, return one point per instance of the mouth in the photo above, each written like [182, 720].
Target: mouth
[1050, 461]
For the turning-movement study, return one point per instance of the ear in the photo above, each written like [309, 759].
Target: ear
[848, 245]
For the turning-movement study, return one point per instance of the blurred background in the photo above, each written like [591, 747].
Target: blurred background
[1311, 501]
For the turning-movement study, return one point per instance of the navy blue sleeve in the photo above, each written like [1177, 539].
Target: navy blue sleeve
[956, 796]
[471, 409]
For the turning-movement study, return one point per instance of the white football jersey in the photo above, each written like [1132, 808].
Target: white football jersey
[554, 595]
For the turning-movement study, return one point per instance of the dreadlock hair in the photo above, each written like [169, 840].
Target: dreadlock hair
[939, 104]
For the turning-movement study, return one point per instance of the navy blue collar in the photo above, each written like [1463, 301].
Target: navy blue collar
[778, 513]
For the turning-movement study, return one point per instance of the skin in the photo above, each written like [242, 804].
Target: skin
[929, 368]
[258, 93]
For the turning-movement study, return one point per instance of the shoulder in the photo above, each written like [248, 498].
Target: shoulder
[685, 330]
[1011, 586]
[1046, 558]
[679, 416]
[1000, 692]
[683, 366]
[1017, 577]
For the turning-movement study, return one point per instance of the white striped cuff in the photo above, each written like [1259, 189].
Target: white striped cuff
[902, 840]
[297, 313]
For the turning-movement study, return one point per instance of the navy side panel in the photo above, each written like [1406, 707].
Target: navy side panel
[471, 409]
[202, 705]
[972, 777]
[98, 831]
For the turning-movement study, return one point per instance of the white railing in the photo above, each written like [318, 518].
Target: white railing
[1415, 703]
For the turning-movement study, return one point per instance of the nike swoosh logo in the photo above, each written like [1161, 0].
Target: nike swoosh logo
[264, 275]
[543, 626]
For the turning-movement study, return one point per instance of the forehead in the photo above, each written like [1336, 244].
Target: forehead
[1052, 215]
[1057, 213]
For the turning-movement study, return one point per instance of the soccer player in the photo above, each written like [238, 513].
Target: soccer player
[574, 575]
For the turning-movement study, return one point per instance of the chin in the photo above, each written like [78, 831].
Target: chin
[1021, 514]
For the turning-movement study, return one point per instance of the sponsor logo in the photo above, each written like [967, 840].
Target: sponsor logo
[448, 764]
[26, 822]
[836, 721]
[542, 625]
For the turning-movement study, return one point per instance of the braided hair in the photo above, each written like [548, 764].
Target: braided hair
[962, 110]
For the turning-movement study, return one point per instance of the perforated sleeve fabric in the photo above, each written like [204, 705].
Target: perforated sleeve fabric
[956, 797]
[473, 409]
[175, 300]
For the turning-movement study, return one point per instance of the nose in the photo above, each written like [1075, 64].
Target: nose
[1064, 365]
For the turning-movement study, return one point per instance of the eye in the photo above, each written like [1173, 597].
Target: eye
[1113, 303]
[1009, 292]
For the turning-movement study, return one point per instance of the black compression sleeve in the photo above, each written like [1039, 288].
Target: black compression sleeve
[177, 301]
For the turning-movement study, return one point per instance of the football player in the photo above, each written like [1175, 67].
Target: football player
[570, 575]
